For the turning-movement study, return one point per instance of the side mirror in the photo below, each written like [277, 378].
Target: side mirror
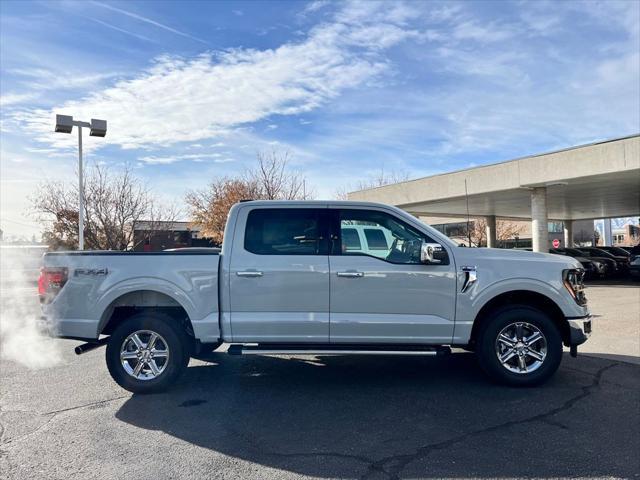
[427, 252]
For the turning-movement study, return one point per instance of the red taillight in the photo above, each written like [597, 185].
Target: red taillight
[51, 280]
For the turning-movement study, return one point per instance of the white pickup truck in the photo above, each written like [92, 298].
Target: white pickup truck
[318, 278]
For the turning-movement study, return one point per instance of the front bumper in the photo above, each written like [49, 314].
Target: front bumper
[579, 329]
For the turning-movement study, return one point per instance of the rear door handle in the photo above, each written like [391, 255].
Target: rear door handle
[351, 274]
[249, 273]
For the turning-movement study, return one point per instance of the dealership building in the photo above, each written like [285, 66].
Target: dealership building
[552, 196]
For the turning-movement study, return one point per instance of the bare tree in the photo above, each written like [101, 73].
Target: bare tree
[270, 179]
[274, 179]
[505, 230]
[374, 180]
[114, 202]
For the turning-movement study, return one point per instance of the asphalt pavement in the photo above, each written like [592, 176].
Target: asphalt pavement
[322, 417]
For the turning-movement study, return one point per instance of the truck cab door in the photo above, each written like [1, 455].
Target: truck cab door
[279, 275]
[381, 292]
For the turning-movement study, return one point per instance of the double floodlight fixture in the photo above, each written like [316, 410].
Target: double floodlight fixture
[97, 128]
[65, 124]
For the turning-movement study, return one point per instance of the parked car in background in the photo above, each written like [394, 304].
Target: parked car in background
[366, 239]
[622, 262]
[616, 251]
[592, 268]
[610, 265]
[634, 261]
[634, 266]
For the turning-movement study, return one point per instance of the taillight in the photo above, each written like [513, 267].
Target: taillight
[50, 282]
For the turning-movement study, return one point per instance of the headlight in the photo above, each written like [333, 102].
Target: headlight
[573, 282]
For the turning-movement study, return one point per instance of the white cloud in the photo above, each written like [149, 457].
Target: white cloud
[315, 6]
[180, 99]
[166, 160]
[42, 79]
[16, 98]
[491, 32]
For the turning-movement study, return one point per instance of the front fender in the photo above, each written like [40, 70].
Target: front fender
[553, 290]
[470, 303]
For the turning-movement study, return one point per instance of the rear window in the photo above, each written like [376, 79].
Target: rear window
[350, 239]
[284, 231]
[376, 239]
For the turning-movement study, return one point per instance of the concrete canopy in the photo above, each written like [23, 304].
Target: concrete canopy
[599, 180]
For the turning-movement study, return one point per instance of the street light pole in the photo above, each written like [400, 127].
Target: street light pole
[97, 128]
[80, 194]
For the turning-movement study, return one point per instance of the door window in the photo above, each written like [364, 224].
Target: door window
[285, 231]
[351, 240]
[387, 237]
[376, 239]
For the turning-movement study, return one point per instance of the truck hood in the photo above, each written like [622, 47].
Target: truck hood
[483, 255]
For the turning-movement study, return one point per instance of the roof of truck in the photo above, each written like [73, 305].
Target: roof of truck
[316, 202]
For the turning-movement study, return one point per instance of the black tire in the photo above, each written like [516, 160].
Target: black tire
[487, 341]
[170, 332]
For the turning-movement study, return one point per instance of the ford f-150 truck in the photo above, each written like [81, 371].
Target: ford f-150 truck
[318, 278]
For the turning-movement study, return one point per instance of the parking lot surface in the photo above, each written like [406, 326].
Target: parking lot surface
[334, 417]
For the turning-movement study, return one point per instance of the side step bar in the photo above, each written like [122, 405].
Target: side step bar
[336, 349]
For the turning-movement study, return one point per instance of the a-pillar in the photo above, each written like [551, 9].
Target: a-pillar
[539, 220]
[492, 241]
[568, 233]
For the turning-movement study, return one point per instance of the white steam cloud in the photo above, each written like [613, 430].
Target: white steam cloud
[20, 340]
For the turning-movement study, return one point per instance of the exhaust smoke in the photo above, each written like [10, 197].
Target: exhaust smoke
[20, 340]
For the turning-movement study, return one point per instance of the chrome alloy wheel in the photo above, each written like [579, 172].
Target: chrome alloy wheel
[144, 355]
[521, 347]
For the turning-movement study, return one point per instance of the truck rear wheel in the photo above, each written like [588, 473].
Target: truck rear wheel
[147, 353]
[519, 346]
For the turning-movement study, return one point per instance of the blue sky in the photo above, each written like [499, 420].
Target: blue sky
[192, 90]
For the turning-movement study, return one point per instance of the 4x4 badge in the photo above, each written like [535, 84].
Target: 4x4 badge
[90, 271]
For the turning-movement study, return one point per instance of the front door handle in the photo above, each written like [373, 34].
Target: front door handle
[249, 273]
[351, 274]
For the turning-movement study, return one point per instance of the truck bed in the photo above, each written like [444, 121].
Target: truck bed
[99, 282]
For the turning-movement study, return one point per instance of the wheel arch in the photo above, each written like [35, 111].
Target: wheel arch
[526, 298]
[138, 300]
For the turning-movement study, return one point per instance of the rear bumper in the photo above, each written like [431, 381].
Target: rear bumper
[579, 329]
[69, 328]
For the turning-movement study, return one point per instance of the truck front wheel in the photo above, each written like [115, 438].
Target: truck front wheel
[147, 353]
[519, 346]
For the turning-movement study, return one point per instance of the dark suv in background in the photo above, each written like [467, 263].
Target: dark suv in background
[606, 265]
[592, 268]
[622, 261]
[634, 261]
